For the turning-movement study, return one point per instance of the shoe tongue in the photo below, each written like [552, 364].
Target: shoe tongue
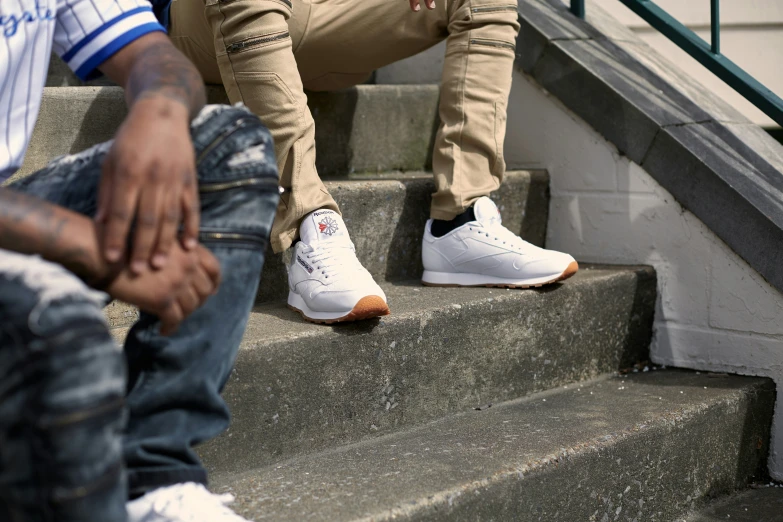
[322, 225]
[486, 212]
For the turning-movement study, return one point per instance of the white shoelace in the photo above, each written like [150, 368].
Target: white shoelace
[190, 502]
[334, 258]
[506, 237]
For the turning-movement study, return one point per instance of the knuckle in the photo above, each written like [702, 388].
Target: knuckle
[127, 176]
[119, 214]
[146, 219]
[162, 301]
[171, 216]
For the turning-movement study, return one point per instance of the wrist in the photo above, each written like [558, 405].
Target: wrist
[158, 105]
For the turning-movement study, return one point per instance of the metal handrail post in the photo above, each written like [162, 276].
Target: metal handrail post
[578, 8]
[715, 26]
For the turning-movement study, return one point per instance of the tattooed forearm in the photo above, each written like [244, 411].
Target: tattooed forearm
[32, 226]
[159, 69]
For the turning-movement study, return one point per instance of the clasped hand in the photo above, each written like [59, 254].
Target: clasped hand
[149, 182]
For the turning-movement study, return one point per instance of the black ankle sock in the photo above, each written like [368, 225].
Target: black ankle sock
[440, 227]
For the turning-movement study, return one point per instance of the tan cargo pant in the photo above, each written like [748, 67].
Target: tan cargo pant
[265, 52]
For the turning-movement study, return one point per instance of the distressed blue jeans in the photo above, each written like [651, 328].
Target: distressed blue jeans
[85, 424]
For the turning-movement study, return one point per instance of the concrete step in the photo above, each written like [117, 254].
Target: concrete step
[760, 504]
[386, 221]
[370, 128]
[300, 387]
[643, 447]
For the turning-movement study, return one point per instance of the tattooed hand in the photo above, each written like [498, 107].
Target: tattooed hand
[149, 176]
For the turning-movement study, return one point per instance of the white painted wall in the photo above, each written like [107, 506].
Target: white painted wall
[714, 312]
[751, 36]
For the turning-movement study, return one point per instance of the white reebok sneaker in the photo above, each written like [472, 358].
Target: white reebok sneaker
[327, 283]
[485, 253]
[187, 502]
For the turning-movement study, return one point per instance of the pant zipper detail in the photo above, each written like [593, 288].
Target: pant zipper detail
[207, 188]
[494, 8]
[61, 495]
[241, 46]
[494, 43]
[231, 238]
[223, 135]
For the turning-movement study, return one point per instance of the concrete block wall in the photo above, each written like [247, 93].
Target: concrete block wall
[714, 312]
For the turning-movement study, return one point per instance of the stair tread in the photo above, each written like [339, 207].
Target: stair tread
[270, 322]
[764, 504]
[433, 468]
[299, 387]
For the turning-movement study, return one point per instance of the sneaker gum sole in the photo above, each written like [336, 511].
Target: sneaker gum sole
[570, 270]
[367, 308]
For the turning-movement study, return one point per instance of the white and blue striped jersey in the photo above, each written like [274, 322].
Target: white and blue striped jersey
[85, 33]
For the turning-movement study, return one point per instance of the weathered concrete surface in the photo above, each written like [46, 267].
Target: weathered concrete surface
[755, 505]
[299, 388]
[645, 447]
[374, 128]
[386, 221]
[370, 128]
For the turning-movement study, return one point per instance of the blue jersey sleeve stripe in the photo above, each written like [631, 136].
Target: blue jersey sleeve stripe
[84, 71]
[96, 33]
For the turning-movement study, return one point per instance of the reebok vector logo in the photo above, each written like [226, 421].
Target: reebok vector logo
[328, 226]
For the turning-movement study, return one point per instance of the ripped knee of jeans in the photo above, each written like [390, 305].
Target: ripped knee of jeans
[233, 149]
[49, 284]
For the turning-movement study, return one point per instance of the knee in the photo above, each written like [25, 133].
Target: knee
[44, 299]
[237, 170]
[54, 331]
[232, 145]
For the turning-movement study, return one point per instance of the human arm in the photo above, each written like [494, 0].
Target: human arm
[150, 173]
[32, 226]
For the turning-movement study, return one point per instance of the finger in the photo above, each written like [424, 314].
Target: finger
[147, 227]
[170, 318]
[170, 214]
[430, 4]
[104, 189]
[203, 285]
[190, 211]
[210, 264]
[188, 300]
[415, 5]
[123, 197]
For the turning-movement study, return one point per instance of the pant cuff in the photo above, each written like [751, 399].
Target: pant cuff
[142, 481]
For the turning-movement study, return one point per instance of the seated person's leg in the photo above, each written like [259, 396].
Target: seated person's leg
[62, 382]
[468, 160]
[175, 382]
[255, 57]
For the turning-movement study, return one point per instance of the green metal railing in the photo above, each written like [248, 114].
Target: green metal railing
[708, 55]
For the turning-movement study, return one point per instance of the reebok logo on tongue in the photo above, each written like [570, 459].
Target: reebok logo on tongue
[322, 225]
[328, 226]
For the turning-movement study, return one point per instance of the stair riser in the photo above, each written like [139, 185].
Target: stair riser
[365, 129]
[670, 469]
[306, 393]
[386, 222]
